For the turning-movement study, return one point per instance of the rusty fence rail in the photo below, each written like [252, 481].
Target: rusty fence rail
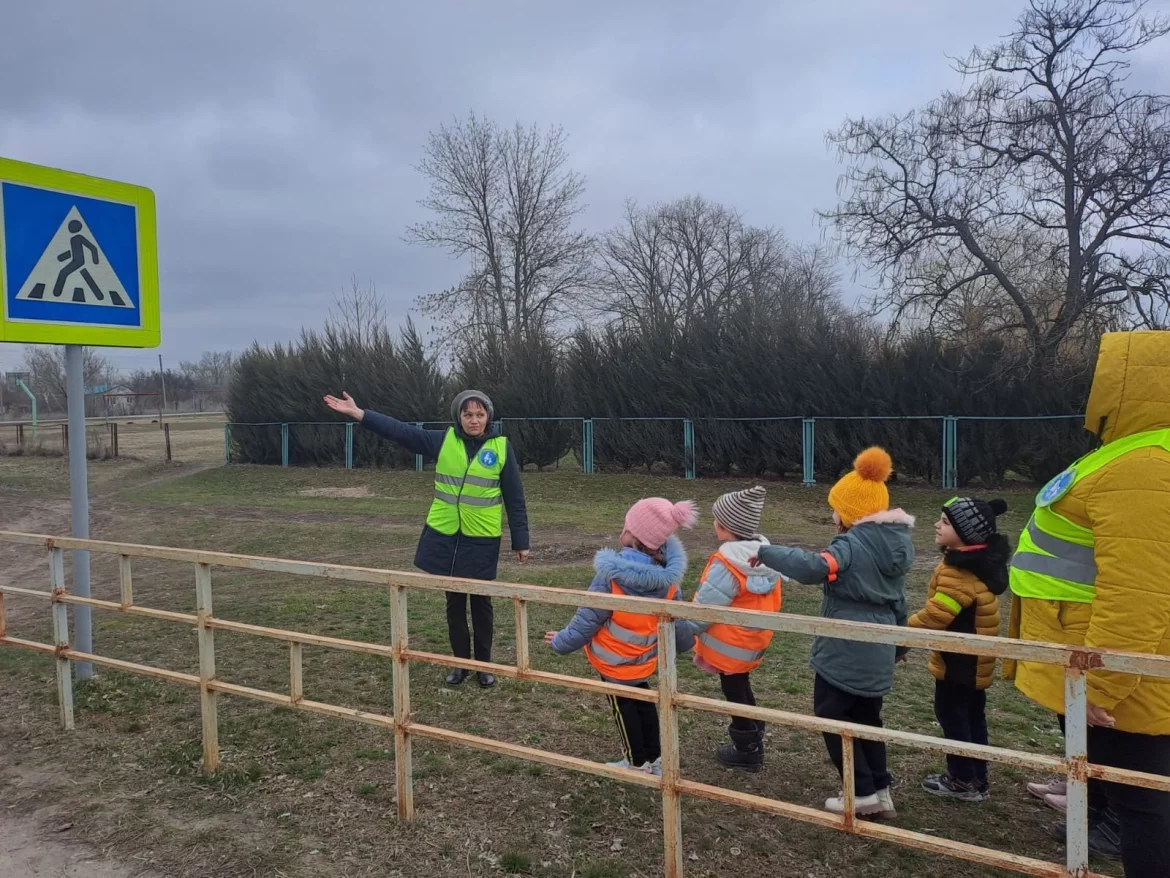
[1076, 662]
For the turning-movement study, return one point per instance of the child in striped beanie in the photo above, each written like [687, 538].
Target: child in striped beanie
[734, 651]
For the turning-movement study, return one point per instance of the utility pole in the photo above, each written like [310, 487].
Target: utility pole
[162, 380]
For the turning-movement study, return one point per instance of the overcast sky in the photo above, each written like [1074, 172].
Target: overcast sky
[280, 137]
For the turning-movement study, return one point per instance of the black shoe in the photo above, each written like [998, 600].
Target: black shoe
[486, 680]
[1104, 837]
[745, 760]
[745, 751]
[457, 676]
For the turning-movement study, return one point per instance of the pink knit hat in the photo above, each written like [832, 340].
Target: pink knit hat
[654, 520]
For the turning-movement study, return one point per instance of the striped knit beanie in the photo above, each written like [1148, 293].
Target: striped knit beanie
[740, 511]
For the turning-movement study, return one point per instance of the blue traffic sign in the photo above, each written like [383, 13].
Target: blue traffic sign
[77, 259]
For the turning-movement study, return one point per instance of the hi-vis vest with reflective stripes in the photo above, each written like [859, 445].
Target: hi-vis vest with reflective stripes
[468, 498]
[1055, 560]
[626, 646]
[734, 649]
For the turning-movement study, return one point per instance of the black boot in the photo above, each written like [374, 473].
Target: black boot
[745, 752]
[457, 676]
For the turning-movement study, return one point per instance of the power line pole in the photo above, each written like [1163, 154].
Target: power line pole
[162, 380]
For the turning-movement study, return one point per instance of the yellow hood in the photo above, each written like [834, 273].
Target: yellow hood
[1131, 387]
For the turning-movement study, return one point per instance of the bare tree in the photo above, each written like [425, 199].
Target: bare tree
[213, 369]
[667, 267]
[1043, 189]
[47, 367]
[358, 315]
[506, 199]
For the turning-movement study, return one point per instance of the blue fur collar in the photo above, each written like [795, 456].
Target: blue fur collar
[643, 579]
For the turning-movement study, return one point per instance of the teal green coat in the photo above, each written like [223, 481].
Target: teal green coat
[873, 558]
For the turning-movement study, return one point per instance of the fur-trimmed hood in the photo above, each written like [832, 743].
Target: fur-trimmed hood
[889, 516]
[887, 536]
[989, 564]
[638, 574]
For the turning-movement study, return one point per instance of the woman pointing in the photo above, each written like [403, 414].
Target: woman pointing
[476, 477]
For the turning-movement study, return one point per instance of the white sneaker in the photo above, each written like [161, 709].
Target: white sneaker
[1054, 786]
[621, 763]
[1056, 803]
[888, 812]
[655, 767]
[863, 806]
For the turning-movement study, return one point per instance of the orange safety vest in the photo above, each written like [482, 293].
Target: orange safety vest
[626, 646]
[733, 649]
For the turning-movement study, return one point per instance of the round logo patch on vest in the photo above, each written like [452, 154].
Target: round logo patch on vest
[488, 458]
[1056, 488]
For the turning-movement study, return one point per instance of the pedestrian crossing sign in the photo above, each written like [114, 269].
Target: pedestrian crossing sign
[78, 259]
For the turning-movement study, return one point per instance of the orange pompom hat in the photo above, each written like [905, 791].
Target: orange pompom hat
[863, 492]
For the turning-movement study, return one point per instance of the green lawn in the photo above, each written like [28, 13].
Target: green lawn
[302, 795]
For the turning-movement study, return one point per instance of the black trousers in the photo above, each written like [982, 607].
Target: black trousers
[962, 713]
[737, 688]
[637, 723]
[869, 757]
[482, 620]
[1143, 815]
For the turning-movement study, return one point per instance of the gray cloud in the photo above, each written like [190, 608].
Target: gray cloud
[280, 137]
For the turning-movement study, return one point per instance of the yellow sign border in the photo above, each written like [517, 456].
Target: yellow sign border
[149, 335]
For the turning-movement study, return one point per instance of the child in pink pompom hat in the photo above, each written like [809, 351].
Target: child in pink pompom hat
[654, 520]
[623, 646]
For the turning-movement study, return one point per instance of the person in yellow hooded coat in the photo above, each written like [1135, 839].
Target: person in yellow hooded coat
[1093, 568]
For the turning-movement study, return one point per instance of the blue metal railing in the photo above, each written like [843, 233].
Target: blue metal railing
[949, 455]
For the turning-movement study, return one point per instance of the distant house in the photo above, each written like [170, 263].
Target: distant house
[109, 399]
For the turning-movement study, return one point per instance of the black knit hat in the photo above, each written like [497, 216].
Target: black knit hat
[973, 520]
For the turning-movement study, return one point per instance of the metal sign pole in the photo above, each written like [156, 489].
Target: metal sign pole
[79, 497]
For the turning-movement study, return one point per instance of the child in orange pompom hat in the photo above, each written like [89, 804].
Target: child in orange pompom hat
[863, 576]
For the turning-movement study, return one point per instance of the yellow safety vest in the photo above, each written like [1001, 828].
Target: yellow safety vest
[468, 498]
[1055, 560]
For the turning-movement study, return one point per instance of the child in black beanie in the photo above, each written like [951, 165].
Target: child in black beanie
[964, 596]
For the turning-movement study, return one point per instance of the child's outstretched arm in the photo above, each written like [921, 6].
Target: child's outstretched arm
[808, 567]
[717, 589]
[684, 633]
[586, 622]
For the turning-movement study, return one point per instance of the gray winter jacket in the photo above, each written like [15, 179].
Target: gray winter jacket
[873, 558]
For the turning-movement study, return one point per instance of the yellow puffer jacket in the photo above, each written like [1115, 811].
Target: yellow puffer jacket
[1127, 506]
[964, 597]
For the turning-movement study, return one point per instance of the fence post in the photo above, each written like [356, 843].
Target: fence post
[284, 444]
[207, 697]
[523, 661]
[403, 767]
[587, 446]
[227, 443]
[689, 446]
[296, 676]
[672, 844]
[167, 437]
[809, 450]
[126, 580]
[349, 445]
[950, 465]
[848, 790]
[1076, 760]
[61, 637]
[418, 458]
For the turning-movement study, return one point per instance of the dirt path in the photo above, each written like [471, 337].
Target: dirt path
[29, 851]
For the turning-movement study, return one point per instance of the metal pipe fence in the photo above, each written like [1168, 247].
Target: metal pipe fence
[1076, 661]
[948, 454]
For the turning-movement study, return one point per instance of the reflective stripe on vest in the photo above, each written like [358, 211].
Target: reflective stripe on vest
[467, 497]
[736, 649]
[626, 647]
[1055, 559]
